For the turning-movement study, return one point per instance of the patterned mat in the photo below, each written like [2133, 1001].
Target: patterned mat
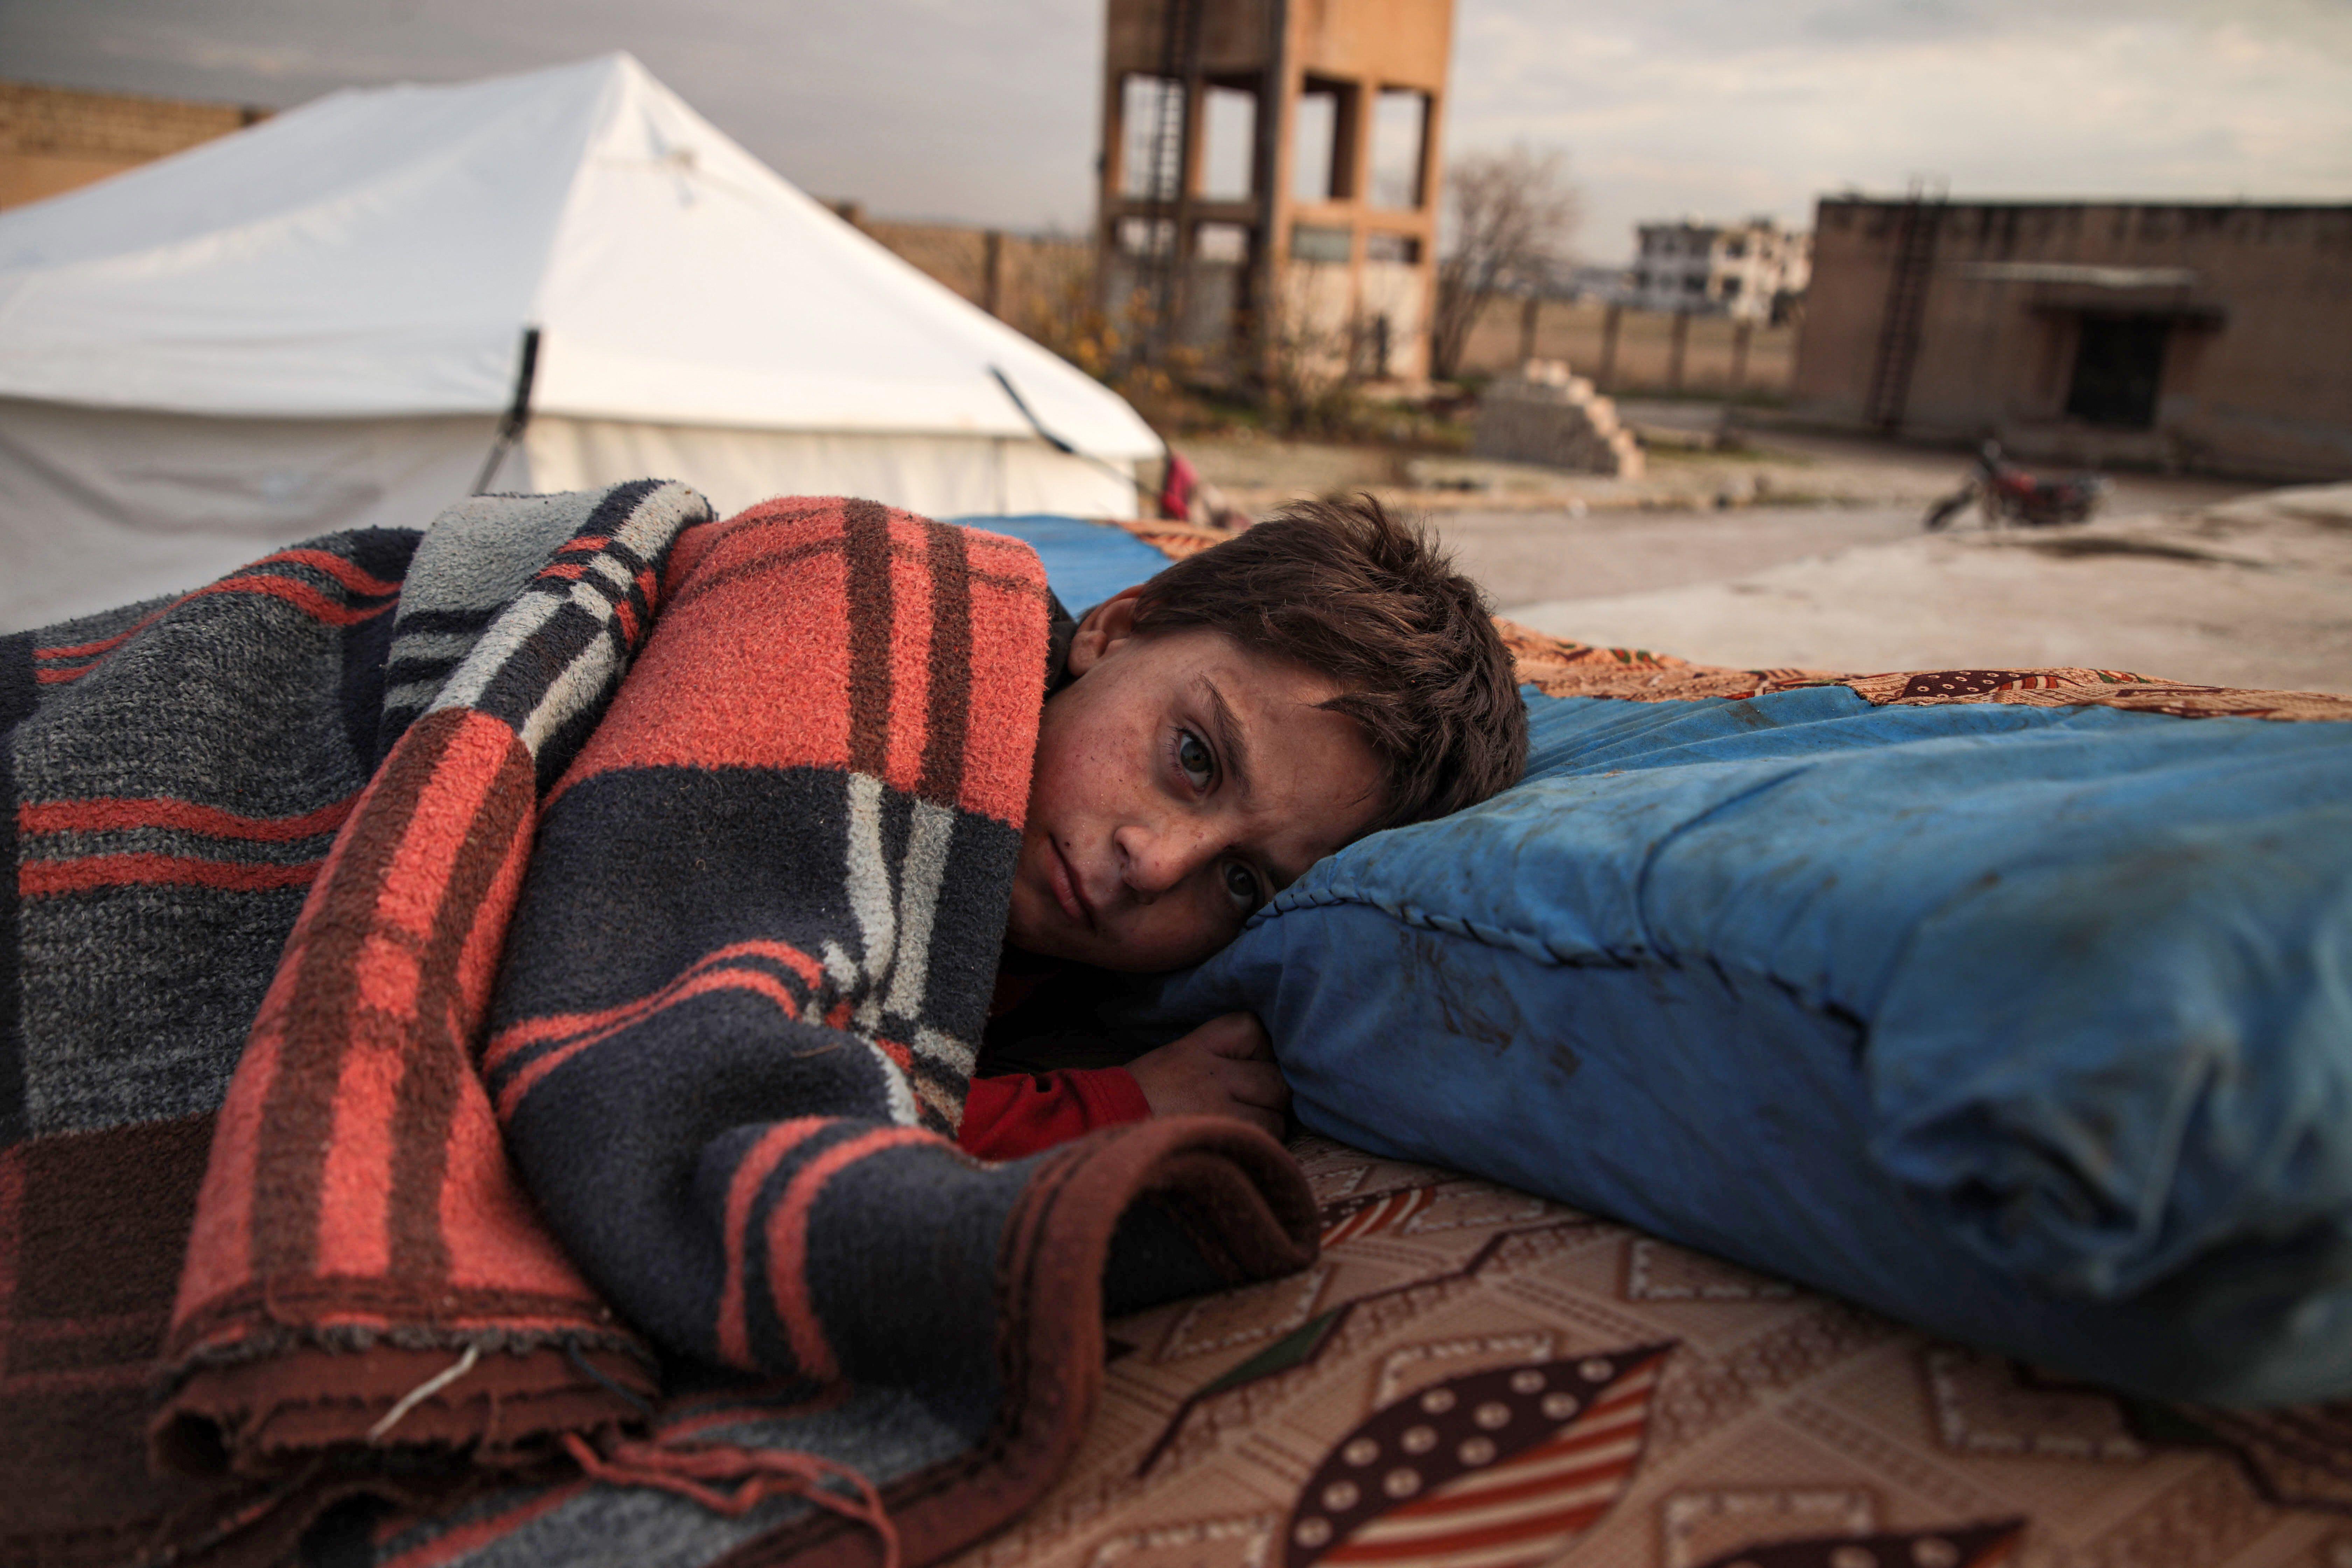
[1473, 1378]
[1559, 668]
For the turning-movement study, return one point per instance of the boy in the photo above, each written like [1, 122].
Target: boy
[1211, 734]
[566, 935]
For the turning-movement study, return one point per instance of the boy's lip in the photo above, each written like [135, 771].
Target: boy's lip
[1067, 890]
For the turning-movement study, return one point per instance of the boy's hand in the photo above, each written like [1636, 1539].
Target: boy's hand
[1225, 1068]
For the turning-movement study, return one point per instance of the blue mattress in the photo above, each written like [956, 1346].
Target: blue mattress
[1085, 563]
[2031, 1025]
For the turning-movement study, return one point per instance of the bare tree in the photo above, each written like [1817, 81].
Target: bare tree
[1508, 217]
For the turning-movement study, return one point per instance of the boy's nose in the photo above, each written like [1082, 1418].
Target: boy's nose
[1156, 857]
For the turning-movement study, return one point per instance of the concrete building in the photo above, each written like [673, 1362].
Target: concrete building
[55, 139]
[2207, 336]
[1270, 174]
[1751, 271]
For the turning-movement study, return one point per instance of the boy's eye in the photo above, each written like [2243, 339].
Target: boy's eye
[1242, 883]
[1193, 755]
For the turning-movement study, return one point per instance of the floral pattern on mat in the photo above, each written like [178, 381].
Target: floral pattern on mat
[1559, 668]
[1472, 1377]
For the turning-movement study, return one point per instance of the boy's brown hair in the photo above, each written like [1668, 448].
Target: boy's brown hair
[1374, 604]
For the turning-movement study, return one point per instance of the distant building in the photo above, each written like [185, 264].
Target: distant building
[2204, 336]
[1270, 176]
[1584, 280]
[54, 139]
[1753, 270]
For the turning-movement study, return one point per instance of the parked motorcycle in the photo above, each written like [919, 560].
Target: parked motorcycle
[2006, 493]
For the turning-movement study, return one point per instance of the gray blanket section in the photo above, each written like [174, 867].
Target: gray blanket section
[145, 943]
[138, 947]
[475, 560]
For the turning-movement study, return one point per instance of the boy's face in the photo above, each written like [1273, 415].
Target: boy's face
[1181, 781]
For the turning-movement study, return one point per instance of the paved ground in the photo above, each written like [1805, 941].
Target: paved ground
[1529, 557]
[2236, 597]
[1785, 549]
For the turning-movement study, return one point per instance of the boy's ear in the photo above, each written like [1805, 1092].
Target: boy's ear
[1103, 628]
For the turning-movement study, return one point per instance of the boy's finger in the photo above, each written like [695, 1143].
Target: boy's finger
[1256, 1083]
[1238, 1036]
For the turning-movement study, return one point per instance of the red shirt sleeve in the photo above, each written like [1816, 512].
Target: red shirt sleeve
[1006, 1117]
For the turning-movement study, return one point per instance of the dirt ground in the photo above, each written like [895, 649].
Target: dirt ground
[1786, 549]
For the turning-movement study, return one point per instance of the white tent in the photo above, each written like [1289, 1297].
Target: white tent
[318, 322]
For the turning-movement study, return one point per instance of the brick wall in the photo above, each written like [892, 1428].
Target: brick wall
[2250, 307]
[53, 139]
[1027, 279]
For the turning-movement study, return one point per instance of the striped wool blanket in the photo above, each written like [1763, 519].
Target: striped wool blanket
[486, 1023]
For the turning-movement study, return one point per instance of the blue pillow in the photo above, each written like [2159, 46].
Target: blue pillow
[1085, 563]
[2031, 1025]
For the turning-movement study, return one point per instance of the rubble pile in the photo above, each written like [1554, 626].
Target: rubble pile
[1544, 414]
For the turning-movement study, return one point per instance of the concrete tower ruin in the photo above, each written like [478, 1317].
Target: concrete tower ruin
[1269, 178]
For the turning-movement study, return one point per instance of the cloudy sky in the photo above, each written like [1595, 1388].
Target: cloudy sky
[983, 110]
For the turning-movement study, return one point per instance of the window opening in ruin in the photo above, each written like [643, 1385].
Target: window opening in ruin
[1221, 242]
[1145, 236]
[1402, 248]
[1229, 135]
[1315, 144]
[1312, 242]
[1399, 121]
[1139, 114]
[2118, 366]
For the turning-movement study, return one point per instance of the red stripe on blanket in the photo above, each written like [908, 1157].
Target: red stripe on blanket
[222, 1249]
[377, 951]
[742, 1190]
[355, 1172]
[107, 814]
[442, 1094]
[788, 1224]
[348, 574]
[1001, 713]
[753, 980]
[85, 649]
[44, 878]
[302, 595]
[437, 823]
[414, 1016]
[900, 601]
[556, 1026]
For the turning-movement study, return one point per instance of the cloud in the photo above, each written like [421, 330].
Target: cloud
[988, 112]
[1698, 105]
